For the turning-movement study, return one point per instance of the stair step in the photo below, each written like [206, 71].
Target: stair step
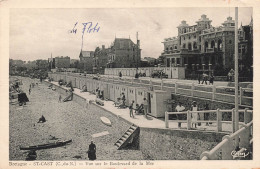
[125, 136]
[121, 141]
[128, 133]
[131, 130]
[118, 144]
[133, 127]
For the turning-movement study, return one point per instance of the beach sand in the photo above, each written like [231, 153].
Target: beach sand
[66, 120]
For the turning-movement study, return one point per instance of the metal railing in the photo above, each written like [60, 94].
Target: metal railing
[218, 121]
[225, 150]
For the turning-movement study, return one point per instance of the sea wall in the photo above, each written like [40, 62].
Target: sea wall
[163, 144]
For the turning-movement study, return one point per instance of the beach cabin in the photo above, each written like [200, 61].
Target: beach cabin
[157, 102]
[111, 88]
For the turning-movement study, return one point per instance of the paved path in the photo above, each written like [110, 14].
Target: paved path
[140, 120]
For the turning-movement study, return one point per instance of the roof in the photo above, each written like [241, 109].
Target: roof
[86, 53]
[123, 43]
[203, 18]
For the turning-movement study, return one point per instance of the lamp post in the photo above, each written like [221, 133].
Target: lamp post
[236, 77]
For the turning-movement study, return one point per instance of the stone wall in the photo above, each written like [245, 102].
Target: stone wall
[162, 144]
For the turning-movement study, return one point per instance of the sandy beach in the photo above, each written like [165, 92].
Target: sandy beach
[66, 120]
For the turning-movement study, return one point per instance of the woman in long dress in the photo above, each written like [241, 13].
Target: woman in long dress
[92, 151]
[194, 115]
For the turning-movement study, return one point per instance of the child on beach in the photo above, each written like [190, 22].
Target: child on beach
[60, 99]
[131, 109]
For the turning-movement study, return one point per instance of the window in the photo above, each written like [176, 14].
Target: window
[183, 37]
[189, 46]
[171, 48]
[175, 47]
[189, 36]
[184, 46]
[230, 41]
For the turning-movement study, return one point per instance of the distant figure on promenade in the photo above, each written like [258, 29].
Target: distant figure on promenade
[97, 92]
[123, 98]
[211, 79]
[60, 99]
[145, 104]
[204, 78]
[42, 120]
[120, 74]
[231, 74]
[92, 151]
[131, 109]
[194, 115]
[199, 77]
[179, 108]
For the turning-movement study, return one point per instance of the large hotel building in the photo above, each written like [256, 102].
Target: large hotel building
[203, 48]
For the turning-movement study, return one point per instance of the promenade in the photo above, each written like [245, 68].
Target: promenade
[140, 120]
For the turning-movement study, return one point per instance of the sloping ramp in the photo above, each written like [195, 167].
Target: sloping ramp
[69, 97]
[127, 137]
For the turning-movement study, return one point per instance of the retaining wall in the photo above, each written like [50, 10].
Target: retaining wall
[163, 144]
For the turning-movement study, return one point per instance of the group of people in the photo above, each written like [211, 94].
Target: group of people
[204, 78]
[195, 116]
[99, 94]
[142, 108]
[121, 101]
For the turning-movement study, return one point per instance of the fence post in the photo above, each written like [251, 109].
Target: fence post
[175, 87]
[233, 120]
[192, 89]
[227, 148]
[247, 116]
[166, 120]
[213, 92]
[161, 84]
[219, 119]
[241, 94]
[188, 120]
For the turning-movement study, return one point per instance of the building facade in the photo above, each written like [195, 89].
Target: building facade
[124, 53]
[86, 61]
[100, 59]
[203, 48]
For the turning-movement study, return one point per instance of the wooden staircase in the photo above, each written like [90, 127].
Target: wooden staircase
[127, 137]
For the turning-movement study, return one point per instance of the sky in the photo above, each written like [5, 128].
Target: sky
[42, 33]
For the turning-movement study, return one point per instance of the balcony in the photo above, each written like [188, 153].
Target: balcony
[212, 50]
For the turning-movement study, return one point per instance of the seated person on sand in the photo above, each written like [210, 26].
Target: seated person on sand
[122, 105]
[117, 103]
[42, 119]
[31, 155]
[139, 109]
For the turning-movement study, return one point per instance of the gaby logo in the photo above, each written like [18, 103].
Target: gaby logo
[240, 154]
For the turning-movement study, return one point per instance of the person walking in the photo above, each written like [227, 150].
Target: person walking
[92, 151]
[87, 104]
[211, 79]
[179, 108]
[145, 104]
[205, 78]
[29, 91]
[199, 77]
[131, 109]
